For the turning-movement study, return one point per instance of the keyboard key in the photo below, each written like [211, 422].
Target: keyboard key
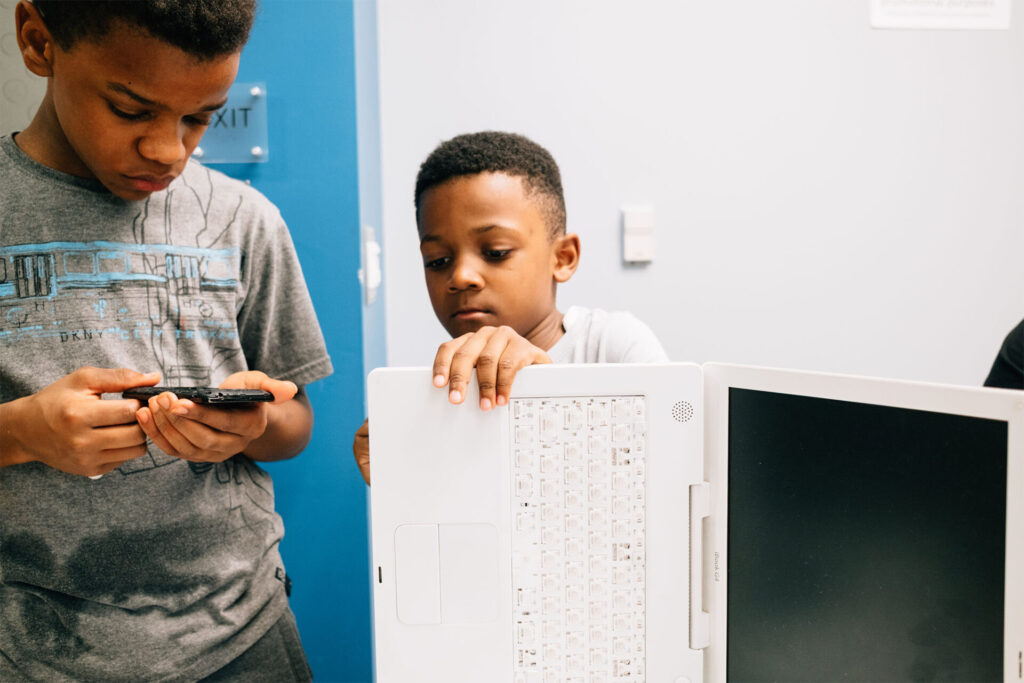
[552, 629]
[526, 632]
[524, 486]
[525, 458]
[574, 453]
[621, 433]
[526, 521]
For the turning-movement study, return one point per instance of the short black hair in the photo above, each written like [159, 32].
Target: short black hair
[496, 152]
[202, 28]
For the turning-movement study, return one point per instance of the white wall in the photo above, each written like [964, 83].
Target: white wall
[828, 196]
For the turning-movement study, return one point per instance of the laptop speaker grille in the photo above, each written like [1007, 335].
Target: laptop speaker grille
[682, 411]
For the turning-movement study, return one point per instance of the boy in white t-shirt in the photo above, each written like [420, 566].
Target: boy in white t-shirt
[491, 219]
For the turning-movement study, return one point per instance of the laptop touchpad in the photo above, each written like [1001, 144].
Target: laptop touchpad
[446, 573]
[469, 573]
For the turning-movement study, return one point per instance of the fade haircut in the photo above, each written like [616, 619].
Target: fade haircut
[495, 152]
[202, 28]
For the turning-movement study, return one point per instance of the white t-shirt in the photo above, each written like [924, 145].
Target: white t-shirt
[596, 336]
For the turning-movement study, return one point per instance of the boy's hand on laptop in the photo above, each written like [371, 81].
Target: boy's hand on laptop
[205, 433]
[361, 449]
[69, 427]
[497, 353]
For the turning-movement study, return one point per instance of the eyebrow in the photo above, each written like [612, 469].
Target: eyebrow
[125, 90]
[476, 231]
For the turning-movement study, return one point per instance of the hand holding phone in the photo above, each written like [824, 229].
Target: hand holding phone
[67, 426]
[208, 424]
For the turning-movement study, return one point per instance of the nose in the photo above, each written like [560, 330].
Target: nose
[465, 275]
[163, 143]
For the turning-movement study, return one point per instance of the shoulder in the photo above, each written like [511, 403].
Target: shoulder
[1008, 368]
[613, 336]
[1016, 335]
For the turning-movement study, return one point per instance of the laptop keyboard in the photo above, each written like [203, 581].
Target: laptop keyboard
[578, 511]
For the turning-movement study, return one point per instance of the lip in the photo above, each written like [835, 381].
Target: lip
[150, 183]
[470, 313]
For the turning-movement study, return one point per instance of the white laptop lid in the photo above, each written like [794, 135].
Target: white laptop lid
[862, 529]
[441, 515]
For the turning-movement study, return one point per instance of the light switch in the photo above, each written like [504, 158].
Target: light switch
[637, 234]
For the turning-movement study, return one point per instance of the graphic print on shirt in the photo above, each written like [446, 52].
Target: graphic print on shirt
[167, 293]
[133, 291]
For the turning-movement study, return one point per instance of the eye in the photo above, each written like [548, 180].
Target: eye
[437, 263]
[130, 116]
[497, 254]
[200, 120]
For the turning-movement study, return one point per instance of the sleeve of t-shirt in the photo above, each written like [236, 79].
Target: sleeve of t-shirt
[279, 331]
[1008, 369]
[631, 341]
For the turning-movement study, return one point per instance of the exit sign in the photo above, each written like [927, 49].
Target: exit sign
[237, 133]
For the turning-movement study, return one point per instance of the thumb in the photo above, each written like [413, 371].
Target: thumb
[254, 379]
[282, 390]
[110, 380]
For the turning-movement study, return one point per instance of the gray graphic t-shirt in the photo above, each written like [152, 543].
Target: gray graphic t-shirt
[162, 569]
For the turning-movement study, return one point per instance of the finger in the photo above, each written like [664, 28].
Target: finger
[239, 420]
[361, 450]
[112, 380]
[490, 357]
[204, 439]
[516, 358]
[110, 459]
[443, 359]
[283, 390]
[211, 441]
[148, 424]
[463, 362]
[113, 412]
[98, 471]
[162, 420]
[115, 457]
[362, 454]
[119, 436]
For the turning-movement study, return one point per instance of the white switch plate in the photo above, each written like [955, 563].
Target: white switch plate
[637, 234]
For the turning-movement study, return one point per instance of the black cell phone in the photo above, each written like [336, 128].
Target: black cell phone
[207, 395]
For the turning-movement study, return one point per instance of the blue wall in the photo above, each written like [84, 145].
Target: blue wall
[304, 52]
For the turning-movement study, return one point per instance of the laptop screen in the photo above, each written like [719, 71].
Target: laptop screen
[866, 542]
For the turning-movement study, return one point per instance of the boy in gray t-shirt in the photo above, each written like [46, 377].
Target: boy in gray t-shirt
[122, 263]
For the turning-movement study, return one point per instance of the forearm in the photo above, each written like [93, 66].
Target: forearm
[12, 451]
[289, 427]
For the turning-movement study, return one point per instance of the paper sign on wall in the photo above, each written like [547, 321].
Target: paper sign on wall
[941, 14]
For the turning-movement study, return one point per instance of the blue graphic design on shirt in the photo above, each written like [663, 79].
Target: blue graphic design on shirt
[139, 290]
[160, 295]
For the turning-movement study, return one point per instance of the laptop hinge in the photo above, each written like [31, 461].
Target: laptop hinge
[700, 621]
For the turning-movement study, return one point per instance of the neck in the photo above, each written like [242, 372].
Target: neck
[547, 332]
[43, 140]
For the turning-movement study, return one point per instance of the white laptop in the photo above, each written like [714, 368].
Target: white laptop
[687, 523]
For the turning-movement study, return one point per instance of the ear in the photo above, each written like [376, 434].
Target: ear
[34, 39]
[566, 252]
